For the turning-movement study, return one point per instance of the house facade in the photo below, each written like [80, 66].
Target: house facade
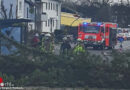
[48, 15]
[18, 9]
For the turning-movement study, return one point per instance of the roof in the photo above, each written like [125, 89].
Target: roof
[9, 22]
[69, 19]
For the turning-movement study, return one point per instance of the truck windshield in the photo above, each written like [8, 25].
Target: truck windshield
[90, 29]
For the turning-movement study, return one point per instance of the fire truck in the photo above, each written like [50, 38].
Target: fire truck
[98, 35]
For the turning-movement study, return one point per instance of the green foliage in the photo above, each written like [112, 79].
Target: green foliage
[118, 13]
[30, 67]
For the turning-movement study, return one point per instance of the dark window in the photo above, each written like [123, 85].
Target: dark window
[49, 6]
[53, 6]
[102, 29]
[57, 9]
[46, 5]
[48, 22]
[20, 5]
[90, 29]
[53, 23]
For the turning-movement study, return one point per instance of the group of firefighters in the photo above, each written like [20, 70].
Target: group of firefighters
[45, 43]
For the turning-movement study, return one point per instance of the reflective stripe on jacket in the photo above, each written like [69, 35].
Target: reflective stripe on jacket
[79, 49]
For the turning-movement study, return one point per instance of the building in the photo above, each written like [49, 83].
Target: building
[69, 19]
[15, 17]
[48, 15]
[18, 9]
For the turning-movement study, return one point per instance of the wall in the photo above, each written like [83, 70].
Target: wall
[52, 9]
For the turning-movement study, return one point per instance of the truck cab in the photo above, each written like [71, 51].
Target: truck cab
[97, 35]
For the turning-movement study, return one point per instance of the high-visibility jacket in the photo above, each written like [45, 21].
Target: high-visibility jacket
[79, 49]
[47, 46]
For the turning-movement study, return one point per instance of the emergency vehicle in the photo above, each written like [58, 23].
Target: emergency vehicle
[123, 32]
[98, 35]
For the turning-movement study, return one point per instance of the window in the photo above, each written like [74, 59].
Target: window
[48, 22]
[20, 5]
[56, 23]
[53, 23]
[49, 6]
[102, 29]
[46, 5]
[53, 6]
[57, 9]
[90, 29]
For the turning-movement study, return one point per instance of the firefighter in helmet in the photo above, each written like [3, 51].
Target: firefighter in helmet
[65, 46]
[79, 48]
[47, 44]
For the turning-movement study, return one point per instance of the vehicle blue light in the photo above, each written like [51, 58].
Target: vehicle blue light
[85, 23]
[99, 23]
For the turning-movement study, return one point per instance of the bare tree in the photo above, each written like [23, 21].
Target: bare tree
[128, 2]
[10, 12]
[3, 10]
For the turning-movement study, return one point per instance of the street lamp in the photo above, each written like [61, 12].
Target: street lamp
[75, 15]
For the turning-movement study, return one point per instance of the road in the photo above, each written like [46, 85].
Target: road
[105, 54]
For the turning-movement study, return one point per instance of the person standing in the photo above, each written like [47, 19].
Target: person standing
[65, 46]
[121, 39]
[79, 48]
[47, 44]
[35, 40]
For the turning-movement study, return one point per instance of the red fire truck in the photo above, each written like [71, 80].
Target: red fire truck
[98, 35]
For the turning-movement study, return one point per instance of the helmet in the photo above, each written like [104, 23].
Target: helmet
[48, 35]
[65, 38]
[79, 40]
[37, 35]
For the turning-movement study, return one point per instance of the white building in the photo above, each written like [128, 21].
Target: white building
[48, 15]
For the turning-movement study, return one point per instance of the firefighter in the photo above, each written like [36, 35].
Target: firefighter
[35, 40]
[65, 46]
[121, 39]
[79, 48]
[47, 44]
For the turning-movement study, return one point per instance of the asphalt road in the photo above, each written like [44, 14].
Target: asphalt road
[105, 54]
